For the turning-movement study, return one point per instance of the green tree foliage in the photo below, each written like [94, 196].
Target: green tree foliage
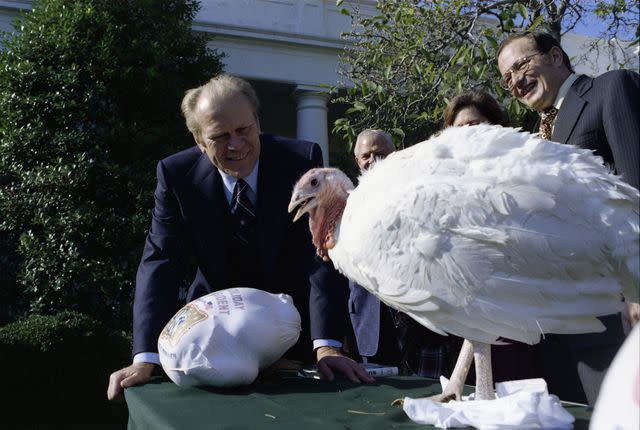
[89, 100]
[406, 62]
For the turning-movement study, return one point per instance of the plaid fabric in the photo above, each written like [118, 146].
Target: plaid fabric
[431, 361]
[423, 352]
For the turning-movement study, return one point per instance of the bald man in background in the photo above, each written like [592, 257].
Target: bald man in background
[384, 335]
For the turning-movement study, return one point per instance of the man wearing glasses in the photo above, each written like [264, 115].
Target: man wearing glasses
[601, 114]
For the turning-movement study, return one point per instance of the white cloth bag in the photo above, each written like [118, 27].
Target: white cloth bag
[224, 338]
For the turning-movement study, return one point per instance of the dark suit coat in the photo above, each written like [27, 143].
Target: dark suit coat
[189, 224]
[603, 114]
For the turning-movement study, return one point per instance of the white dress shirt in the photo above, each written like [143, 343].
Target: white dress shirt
[562, 93]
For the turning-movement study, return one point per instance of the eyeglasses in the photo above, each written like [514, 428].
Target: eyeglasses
[521, 65]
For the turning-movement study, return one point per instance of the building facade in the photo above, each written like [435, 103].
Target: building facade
[289, 50]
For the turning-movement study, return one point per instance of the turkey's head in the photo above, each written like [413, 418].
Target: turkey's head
[322, 193]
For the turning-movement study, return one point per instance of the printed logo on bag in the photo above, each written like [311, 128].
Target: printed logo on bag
[186, 318]
[222, 302]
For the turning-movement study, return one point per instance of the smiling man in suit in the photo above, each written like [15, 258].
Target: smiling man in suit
[601, 114]
[384, 335]
[371, 320]
[223, 204]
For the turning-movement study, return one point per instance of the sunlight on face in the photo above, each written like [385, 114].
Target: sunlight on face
[230, 134]
[538, 85]
[371, 148]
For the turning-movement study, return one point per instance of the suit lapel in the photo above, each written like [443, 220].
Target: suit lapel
[571, 109]
[273, 198]
[210, 213]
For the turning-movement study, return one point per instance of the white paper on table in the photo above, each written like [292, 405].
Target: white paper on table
[518, 404]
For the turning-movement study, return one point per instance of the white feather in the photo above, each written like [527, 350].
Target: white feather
[488, 232]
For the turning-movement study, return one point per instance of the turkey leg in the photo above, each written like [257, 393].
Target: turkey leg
[484, 374]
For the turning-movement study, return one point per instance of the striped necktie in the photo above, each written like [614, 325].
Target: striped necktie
[243, 213]
[546, 122]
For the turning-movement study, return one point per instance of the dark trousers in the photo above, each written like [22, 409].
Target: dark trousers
[574, 365]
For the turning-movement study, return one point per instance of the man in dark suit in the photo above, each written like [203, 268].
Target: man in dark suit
[384, 335]
[199, 193]
[601, 114]
[371, 320]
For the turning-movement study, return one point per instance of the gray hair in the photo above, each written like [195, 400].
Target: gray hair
[218, 87]
[375, 132]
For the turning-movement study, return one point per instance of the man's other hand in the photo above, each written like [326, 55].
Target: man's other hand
[331, 359]
[135, 374]
[630, 316]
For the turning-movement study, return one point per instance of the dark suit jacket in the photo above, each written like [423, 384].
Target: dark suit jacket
[188, 224]
[603, 114]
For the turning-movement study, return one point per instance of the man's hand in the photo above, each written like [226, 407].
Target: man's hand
[630, 316]
[136, 374]
[330, 359]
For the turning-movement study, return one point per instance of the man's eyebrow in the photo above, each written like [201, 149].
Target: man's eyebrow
[213, 135]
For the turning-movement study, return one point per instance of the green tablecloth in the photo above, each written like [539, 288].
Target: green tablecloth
[303, 404]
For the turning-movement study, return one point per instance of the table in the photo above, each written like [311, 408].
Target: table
[300, 404]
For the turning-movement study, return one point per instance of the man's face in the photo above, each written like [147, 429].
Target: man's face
[369, 149]
[229, 134]
[537, 86]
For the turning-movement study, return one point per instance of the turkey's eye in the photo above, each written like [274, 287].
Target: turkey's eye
[314, 182]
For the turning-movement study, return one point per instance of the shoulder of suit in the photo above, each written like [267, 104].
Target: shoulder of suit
[183, 160]
[606, 85]
[617, 76]
[595, 86]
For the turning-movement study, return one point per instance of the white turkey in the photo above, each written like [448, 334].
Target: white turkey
[483, 232]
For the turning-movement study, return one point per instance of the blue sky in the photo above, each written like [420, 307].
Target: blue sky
[591, 25]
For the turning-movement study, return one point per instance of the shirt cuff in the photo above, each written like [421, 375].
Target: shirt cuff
[147, 357]
[317, 343]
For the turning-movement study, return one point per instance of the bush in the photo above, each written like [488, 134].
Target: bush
[89, 94]
[56, 370]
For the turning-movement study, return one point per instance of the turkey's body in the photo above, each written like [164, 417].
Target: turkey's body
[486, 232]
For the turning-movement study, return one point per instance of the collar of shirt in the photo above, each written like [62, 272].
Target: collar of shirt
[229, 183]
[564, 89]
[562, 93]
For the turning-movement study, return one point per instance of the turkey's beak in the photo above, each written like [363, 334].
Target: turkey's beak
[304, 203]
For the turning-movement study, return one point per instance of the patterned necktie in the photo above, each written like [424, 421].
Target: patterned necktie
[243, 213]
[546, 122]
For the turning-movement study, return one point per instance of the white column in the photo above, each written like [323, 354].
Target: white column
[312, 117]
